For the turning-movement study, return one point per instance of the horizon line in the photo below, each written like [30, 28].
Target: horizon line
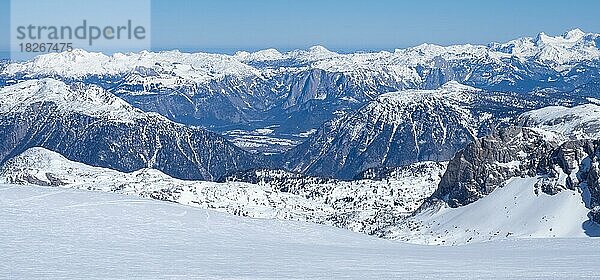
[341, 50]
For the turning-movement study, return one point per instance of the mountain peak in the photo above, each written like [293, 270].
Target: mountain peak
[571, 36]
[542, 37]
[88, 100]
[319, 49]
[261, 55]
[574, 34]
[456, 86]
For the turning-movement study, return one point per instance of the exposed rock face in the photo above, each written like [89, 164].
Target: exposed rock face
[593, 184]
[488, 162]
[593, 180]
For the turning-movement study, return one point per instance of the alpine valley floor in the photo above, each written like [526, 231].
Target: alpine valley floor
[52, 233]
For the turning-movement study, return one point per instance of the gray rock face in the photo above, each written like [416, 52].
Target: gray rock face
[590, 174]
[593, 180]
[488, 162]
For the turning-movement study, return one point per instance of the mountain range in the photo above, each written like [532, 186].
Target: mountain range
[297, 91]
[87, 124]
[418, 144]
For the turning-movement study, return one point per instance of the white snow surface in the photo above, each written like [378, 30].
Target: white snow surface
[579, 122]
[515, 210]
[355, 205]
[51, 233]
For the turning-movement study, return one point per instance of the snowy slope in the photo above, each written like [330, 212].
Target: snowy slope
[515, 210]
[90, 101]
[49, 233]
[362, 205]
[579, 122]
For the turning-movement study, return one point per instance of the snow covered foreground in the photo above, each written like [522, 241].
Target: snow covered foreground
[361, 205]
[53, 233]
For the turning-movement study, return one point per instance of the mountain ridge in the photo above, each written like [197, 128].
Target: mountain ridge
[87, 124]
[268, 87]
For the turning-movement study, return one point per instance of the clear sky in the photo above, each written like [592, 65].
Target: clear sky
[228, 25]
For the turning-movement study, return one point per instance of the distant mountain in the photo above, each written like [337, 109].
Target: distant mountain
[560, 52]
[300, 90]
[3, 64]
[87, 124]
[405, 127]
[579, 122]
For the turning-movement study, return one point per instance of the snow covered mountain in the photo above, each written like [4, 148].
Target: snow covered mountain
[88, 124]
[514, 211]
[300, 90]
[518, 181]
[565, 50]
[381, 119]
[560, 52]
[579, 122]
[365, 205]
[409, 126]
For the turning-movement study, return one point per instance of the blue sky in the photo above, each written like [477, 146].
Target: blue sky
[352, 24]
[228, 25]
